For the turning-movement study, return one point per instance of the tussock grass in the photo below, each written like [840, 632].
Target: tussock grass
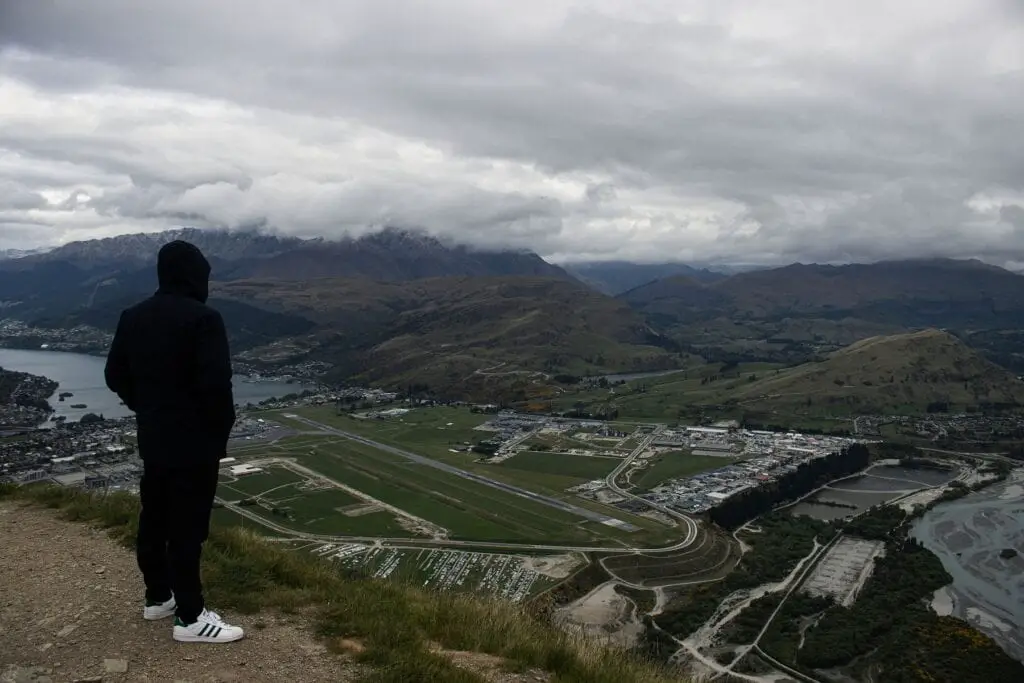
[396, 623]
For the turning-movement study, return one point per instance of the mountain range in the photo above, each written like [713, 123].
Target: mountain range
[617, 277]
[400, 306]
[792, 313]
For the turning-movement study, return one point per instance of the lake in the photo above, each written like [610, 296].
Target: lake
[968, 535]
[875, 486]
[82, 375]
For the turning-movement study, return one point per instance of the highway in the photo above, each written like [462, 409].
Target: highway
[692, 530]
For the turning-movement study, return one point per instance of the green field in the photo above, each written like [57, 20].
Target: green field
[315, 511]
[575, 468]
[676, 465]
[426, 431]
[469, 510]
[256, 484]
[670, 397]
[432, 432]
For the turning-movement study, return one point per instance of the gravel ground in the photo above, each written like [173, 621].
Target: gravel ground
[71, 610]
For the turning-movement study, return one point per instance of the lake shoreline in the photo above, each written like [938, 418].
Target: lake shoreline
[82, 376]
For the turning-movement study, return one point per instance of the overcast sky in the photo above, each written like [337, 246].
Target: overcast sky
[725, 130]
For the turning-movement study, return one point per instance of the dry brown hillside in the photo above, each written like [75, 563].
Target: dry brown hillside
[442, 331]
[891, 374]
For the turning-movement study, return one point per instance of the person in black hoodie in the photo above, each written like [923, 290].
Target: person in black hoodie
[170, 364]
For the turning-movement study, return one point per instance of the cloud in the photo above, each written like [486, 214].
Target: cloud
[722, 130]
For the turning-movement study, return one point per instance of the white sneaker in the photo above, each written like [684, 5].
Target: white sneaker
[208, 628]
[159, 611]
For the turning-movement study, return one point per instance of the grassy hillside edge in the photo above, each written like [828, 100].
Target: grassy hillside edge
[399, 625]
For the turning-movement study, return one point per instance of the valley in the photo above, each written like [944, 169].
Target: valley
[716, 471]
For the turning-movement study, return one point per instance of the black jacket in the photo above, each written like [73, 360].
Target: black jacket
[170, 364]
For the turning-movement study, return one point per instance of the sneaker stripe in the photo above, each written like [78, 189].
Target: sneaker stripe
[202, 631]
[216, 632]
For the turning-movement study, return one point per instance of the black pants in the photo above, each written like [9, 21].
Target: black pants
[173, 524]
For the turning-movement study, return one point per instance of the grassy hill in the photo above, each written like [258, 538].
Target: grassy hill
[894, 374]
[464, 334]
[897, 373]
[791, 314]
[400, 631]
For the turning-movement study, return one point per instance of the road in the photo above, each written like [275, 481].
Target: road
[414, 543]
[692, 531]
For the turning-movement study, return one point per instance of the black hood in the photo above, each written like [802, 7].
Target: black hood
[182, 269]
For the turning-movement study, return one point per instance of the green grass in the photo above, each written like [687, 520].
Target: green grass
[424, 431]
[396, 622]
[662, 399]
[256, 484]
[577, 468]
[469, 510]
[676, 465]
[318, 512]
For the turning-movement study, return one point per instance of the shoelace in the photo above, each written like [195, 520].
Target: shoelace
[215, 619]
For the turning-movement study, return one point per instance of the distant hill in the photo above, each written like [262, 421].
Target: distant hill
[10, 254]
[89, 282]
[137, 250]
[791, 313]
[616, 277]
[390, 254]
[891, 374]
[458, 335]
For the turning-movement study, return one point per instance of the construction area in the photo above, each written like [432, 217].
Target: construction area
[844, 570]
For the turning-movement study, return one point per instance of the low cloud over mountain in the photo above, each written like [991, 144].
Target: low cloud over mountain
[695, 131]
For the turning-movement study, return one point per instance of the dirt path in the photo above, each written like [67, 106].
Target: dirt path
[72, 600]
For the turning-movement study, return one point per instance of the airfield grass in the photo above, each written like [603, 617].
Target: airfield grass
[676, 465]
[469, 510]
[316, 511]
[426, 431]
[579, 468]
[257, 484]
[431, 432]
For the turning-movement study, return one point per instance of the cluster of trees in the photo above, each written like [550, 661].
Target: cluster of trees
[783, 541]
[741, 508]
[10, 381]
[891, 621]
[753, 421]
[603, 412]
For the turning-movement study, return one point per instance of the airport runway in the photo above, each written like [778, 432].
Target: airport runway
[472, 476]
[692, 530]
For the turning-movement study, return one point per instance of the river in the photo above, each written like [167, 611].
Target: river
[968, 535]
[82, 375]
